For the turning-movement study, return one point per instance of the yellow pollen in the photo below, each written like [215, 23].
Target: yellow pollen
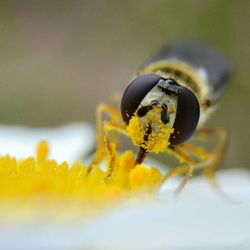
[156, 142]
[36, 184]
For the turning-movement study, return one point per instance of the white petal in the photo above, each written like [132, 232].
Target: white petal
[69, 142]
[200, 219]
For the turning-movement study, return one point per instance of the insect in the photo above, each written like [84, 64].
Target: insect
[167, 102]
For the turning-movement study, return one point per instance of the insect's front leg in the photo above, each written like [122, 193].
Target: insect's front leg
[186, 169]
[209, 161]
[112, 126]
[115, 117]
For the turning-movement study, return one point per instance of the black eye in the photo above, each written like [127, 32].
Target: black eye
[187, 116]
[134, 94]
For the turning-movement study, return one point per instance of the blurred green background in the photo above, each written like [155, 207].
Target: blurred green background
[59, 59]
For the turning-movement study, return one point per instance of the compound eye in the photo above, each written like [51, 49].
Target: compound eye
[187, 116]
[134, 94]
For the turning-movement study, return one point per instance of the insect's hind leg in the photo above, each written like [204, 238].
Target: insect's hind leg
[218, 154]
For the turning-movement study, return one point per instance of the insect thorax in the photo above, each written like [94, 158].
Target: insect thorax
[192, 78]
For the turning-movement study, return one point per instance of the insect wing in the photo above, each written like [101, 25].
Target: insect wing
[216, 66]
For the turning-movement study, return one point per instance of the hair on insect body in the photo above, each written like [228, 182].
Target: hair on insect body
[168, 101]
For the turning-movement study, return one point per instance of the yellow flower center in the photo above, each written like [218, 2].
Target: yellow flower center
[33, 184]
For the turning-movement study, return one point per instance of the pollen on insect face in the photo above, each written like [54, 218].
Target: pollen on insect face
[156, 141]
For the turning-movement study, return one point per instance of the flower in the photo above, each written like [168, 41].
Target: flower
[41, 183]
[43, 206]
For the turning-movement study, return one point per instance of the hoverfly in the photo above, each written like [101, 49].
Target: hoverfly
[168, 100]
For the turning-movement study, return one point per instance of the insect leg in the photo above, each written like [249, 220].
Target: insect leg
[187, 169]
[183, 155]
[115, 116]
[210, 161]
[215, 159]
[111, 148]
[112, 126]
